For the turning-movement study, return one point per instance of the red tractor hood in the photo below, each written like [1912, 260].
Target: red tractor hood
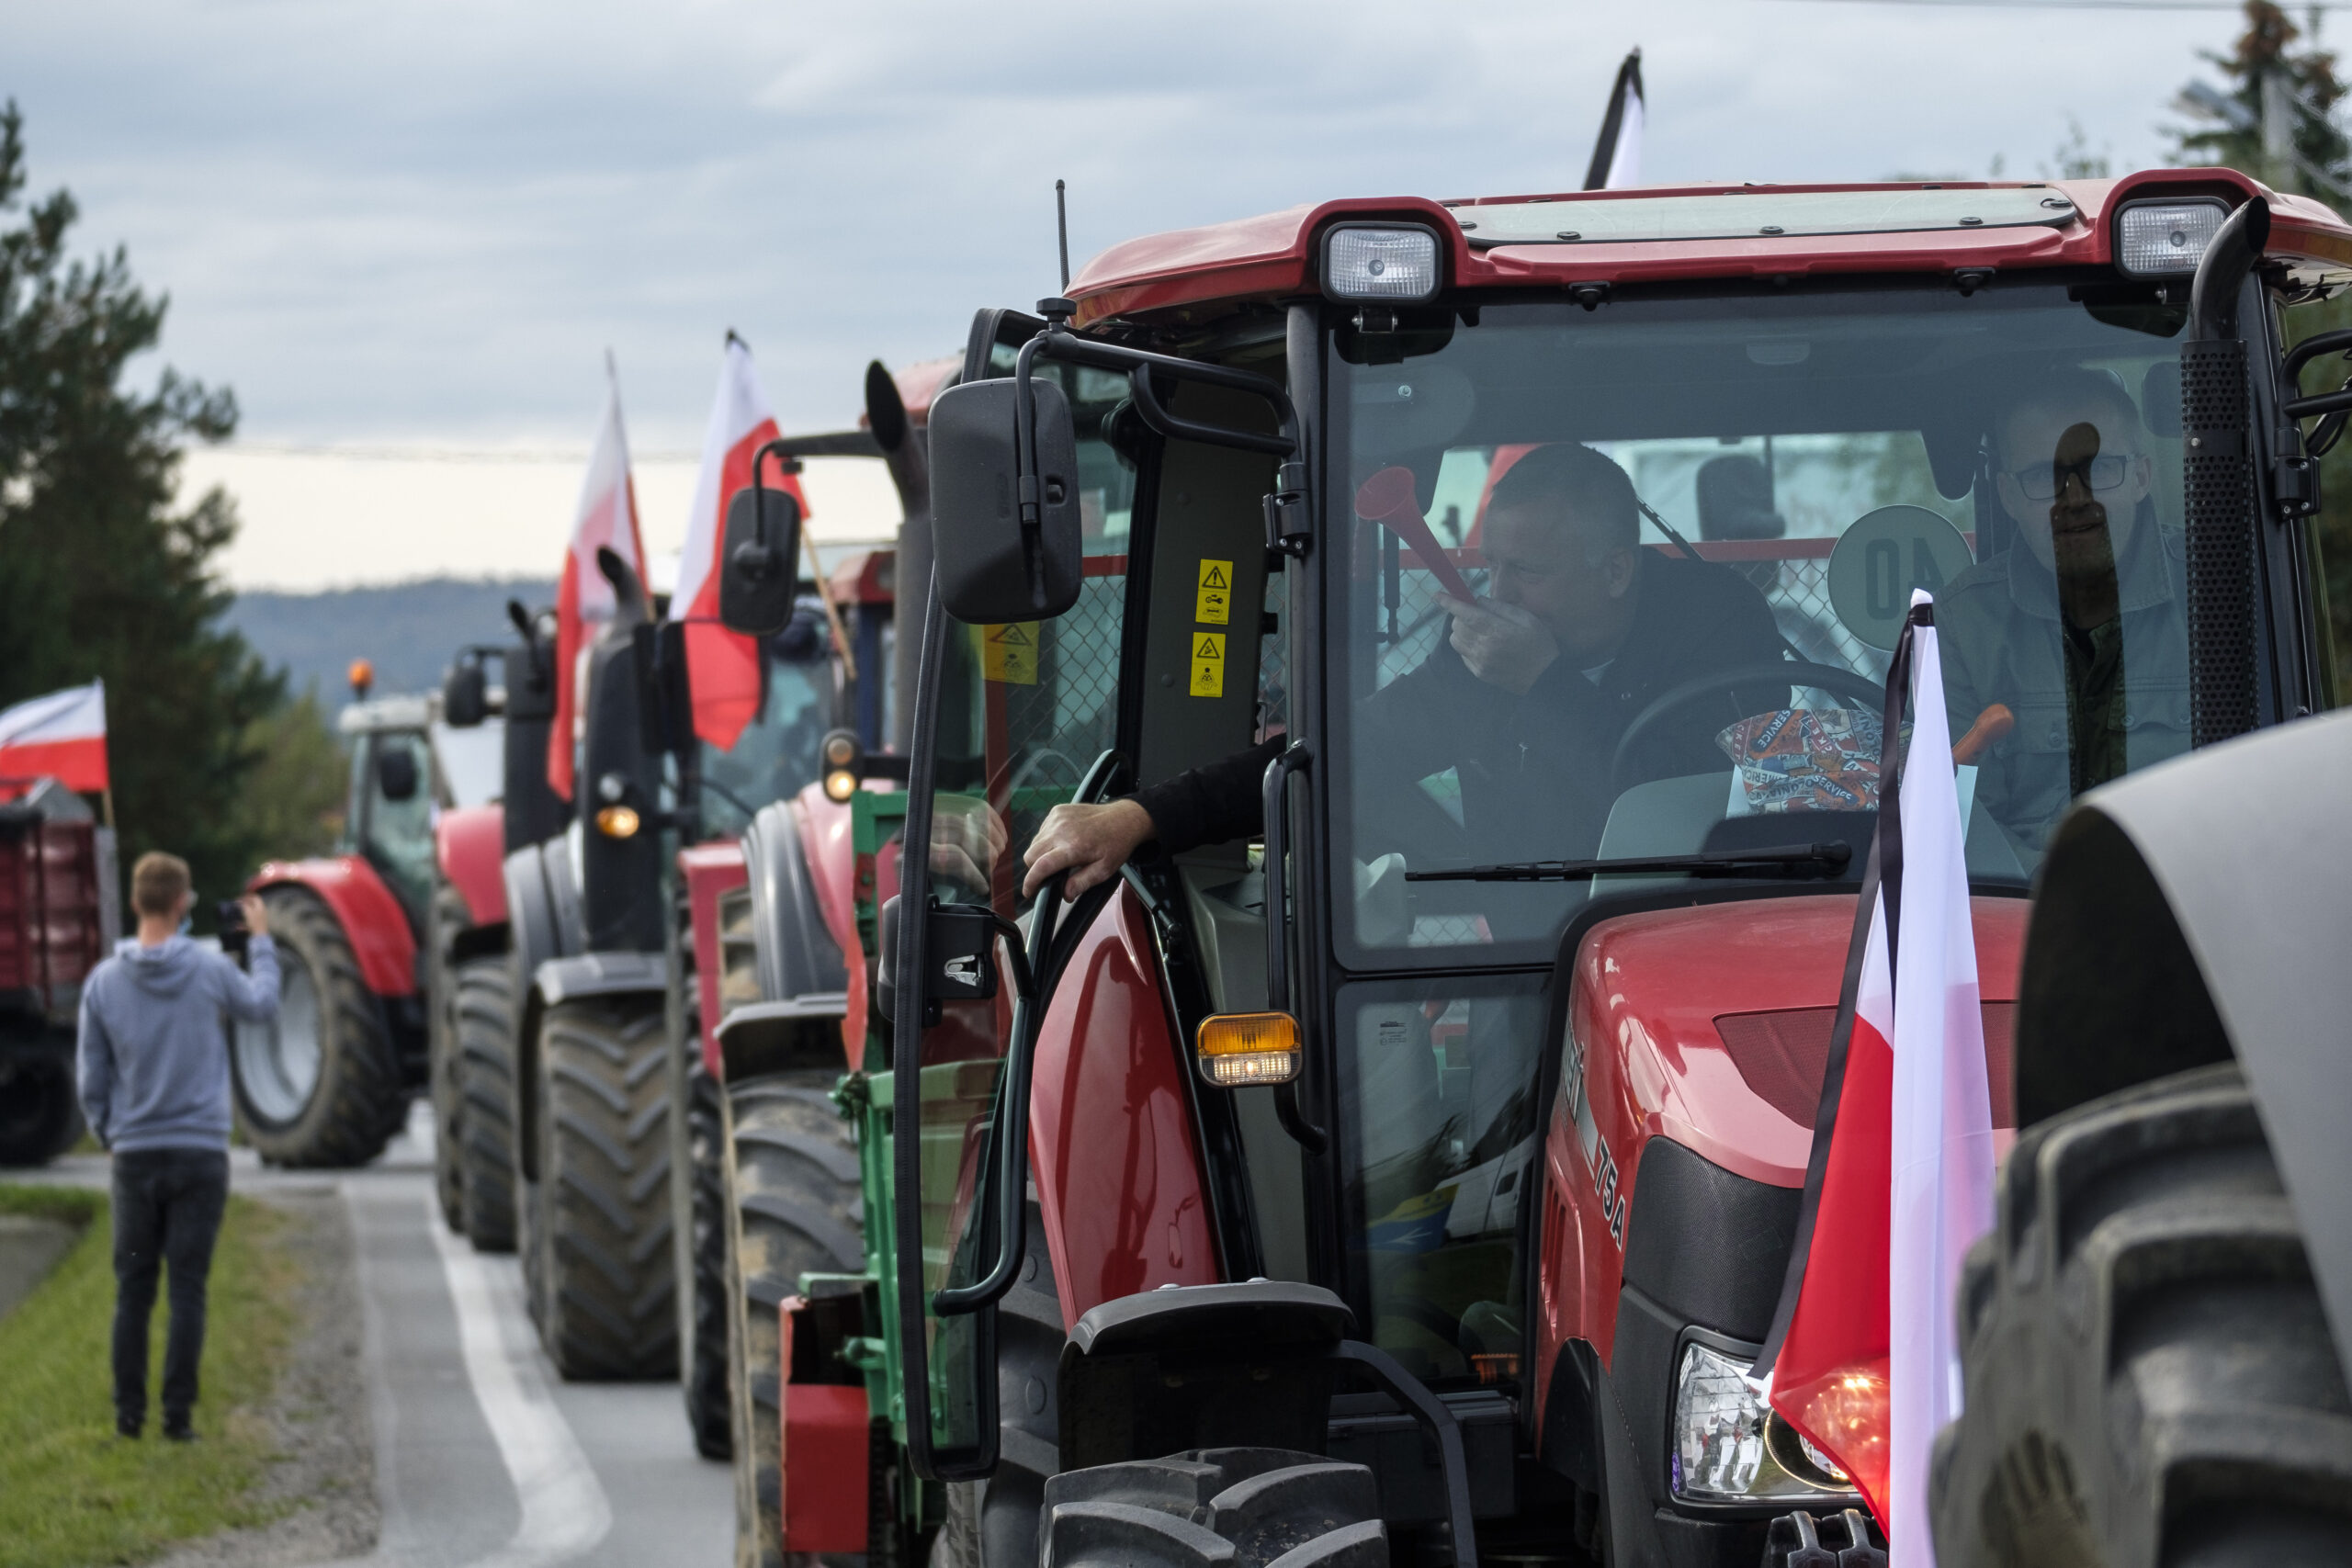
[1718, 1020]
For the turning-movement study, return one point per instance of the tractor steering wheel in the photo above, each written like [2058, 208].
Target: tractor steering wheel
[1786, 673]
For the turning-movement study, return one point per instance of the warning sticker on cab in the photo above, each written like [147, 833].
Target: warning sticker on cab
[1214, 604]
[1208, 664]
[1008, 653]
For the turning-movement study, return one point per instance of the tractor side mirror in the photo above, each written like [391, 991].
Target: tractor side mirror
[759, 560]
[396, 775]
[465, 696]
[991, 564]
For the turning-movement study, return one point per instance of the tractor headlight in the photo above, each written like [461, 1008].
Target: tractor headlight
[1729, 1446]
[2166, 239]
[844, 756]
[1395, 266]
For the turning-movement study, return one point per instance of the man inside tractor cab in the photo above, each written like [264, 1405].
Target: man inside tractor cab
[1524, 701]
[2076, 625]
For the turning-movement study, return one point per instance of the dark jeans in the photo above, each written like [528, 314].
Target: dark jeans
[168, 1208]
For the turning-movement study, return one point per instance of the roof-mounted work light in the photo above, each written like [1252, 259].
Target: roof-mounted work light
[1391, 263]
[2166, 239]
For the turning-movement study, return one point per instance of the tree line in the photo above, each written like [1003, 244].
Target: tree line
[106, 573]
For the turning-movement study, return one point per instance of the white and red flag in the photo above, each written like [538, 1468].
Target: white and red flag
[723, 666]
[583, 600]
[62, 736]
[1863, 1354]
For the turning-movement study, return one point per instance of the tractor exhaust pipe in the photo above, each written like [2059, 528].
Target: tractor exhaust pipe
[2220, 503]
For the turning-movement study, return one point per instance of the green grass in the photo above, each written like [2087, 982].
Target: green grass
[72, 1494]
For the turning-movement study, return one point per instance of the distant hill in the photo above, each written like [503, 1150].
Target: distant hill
[408, 629]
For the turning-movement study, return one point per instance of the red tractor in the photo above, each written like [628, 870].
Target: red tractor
[57, 918]
[770, 997]
[1418, 1180]
[328, 1082]
[466, 959]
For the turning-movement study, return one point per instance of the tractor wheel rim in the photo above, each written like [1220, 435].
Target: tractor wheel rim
[278, 1062]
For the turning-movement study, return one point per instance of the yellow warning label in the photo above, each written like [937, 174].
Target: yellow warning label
[1215, 602]
[1208, 664]
[1008, 653]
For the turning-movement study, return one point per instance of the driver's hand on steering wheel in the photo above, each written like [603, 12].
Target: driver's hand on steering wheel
[1092, 842]
[1502, 644]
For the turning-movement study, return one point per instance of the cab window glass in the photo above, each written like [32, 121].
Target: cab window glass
[1581, 545]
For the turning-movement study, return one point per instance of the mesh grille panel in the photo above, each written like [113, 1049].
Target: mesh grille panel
[2219, 506]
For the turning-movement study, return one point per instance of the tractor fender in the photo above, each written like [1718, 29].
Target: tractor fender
[536, 929]
[370, 916]
[468, 851]
[560, 980]
[798, 951]
[829, 852]
[2195, 911]
[708, 873]
[1120, 1189]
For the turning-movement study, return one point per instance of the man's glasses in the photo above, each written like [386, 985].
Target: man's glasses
[2039, 480]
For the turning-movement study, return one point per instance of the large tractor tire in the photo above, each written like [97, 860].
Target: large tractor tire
[995, 1523]
[701, 1215]
[794, 1208]
[320, 1084]
[2150, 1380]
[450, 916]
[41, 1114]
[483, 1003]
[604, 1270]
[1215, 1508]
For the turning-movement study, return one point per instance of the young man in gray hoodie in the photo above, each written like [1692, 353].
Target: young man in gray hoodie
[154, 1078]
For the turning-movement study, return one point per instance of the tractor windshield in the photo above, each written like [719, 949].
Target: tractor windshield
[1585, 543]
[774, 758]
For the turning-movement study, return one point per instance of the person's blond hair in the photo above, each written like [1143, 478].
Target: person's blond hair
[158, 883]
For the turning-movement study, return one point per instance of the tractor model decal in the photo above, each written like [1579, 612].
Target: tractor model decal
[1599, 1163]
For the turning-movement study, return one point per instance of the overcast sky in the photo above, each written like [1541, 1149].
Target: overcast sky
[410, 226]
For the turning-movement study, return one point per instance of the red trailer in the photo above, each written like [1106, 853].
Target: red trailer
[57, 918]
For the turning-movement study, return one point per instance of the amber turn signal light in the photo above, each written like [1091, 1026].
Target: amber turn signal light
[618, 822]
[1239, 1049]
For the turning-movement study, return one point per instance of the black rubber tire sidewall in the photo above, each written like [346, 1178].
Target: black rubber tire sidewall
[605, 1269]
[357, 1103]
[2150, 1377]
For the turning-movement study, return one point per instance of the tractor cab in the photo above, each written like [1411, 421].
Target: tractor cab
[411, 763]
[1512, 582]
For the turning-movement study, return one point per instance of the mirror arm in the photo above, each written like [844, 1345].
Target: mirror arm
[780, 448]
[1288, 527]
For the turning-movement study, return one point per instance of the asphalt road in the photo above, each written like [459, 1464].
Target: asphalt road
[485, 1459]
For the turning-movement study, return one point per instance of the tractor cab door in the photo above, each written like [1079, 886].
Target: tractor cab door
[1009, 720]
[391, 813]
[1157, 668]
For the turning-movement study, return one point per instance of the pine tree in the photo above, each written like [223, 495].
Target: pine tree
[2286, 97]
[100, 574]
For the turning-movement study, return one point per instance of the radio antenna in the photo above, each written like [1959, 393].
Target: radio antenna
[1061, 225]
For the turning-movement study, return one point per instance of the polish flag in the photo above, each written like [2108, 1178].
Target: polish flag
[583, 600]
[723, 666]
[1864, 1355]
[62, 736]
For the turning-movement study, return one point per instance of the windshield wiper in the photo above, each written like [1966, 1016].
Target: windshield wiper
[1829, 857]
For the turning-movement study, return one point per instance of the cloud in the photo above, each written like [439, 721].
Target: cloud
[427, 220]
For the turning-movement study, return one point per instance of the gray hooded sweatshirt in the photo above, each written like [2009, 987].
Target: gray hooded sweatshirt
[154, 1054]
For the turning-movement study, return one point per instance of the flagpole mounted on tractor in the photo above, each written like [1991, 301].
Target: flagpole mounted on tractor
[1617, 152]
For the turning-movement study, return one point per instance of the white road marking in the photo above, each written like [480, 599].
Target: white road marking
[565, 1512]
